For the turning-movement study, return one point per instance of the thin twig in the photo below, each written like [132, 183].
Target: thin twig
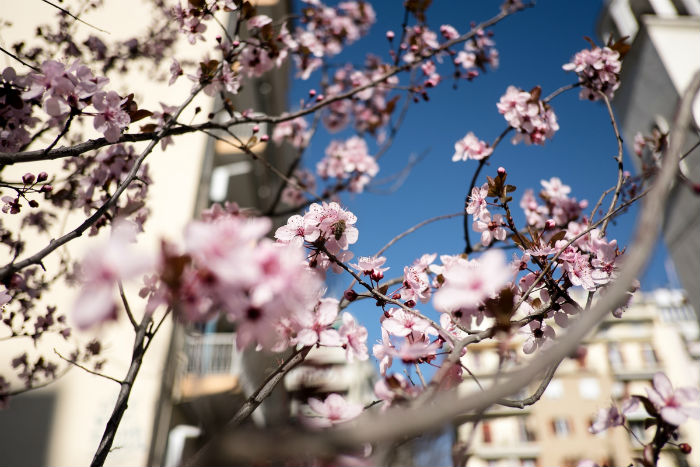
[73, 16]
[380, 296]
[618, 158]
[20, 60]
[82, 367]
[127, 308]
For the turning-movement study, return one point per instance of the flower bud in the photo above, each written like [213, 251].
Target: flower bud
[43, 176]
[390, 35]
[312, 92]
[33, 203]
[350, 295]
[264, 138]
[28, 178]
[501, 171]
[396, 296]
[256, 128]
[410, 303]
[376, 276]
[550, 224]
[685, 448]
[46, 189]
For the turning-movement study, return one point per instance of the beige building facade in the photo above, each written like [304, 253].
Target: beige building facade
[657, 333]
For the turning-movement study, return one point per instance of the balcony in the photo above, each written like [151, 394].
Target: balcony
[208, 364]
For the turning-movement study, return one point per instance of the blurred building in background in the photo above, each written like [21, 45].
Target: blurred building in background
[193, 378]
[665, 53]
[657, 333]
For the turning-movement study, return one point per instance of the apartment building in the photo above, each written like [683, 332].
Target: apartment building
[657, 333]
[665, 53]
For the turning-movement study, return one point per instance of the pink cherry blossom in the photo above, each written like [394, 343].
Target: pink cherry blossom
[598, 70]
[111, 119]
[294, 131]
[371, 266]
[539, 335]
[490, 228]
[315, 325]
[673, 404]
[554, 189]
[470, 147]
[353, 337]
[402, 323]
[533, 120]
[348, 159]
[332, 411]
[468, 283]
[293, 196]
[101, 270]
[477, 205]
[417, 351]
[612, 416]
[416, 284]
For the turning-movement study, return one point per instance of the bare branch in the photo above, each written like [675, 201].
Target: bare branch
[82, 367]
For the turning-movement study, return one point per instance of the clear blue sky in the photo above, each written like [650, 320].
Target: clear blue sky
[533, 46]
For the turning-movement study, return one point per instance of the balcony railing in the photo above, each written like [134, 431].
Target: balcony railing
[212, 354]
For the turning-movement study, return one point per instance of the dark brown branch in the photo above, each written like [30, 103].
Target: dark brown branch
[123, 398]
[31, 156]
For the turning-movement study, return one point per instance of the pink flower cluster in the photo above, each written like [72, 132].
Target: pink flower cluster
[306, 327]
[15, 114]
[591, 260]
[101, 270]
[324, 225]
[533, 120]
[598, 70]
[102, 173]
[558, 207]
[255, 282]
[470, 147]
[478, 52]
[416, 281]
[64, 90]
[371, 109]
[371, 266]
[293, 196]
[467, 283]
[348, 160]
[490, 226]
[324, 33]
[191, 22]
[294, 131]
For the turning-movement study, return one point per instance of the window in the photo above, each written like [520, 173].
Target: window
[561, 427]
[649, 355]
[589, 388]
[637, 432]
[525, 434]
[555, 389]
[615, 356]
[486, 432]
